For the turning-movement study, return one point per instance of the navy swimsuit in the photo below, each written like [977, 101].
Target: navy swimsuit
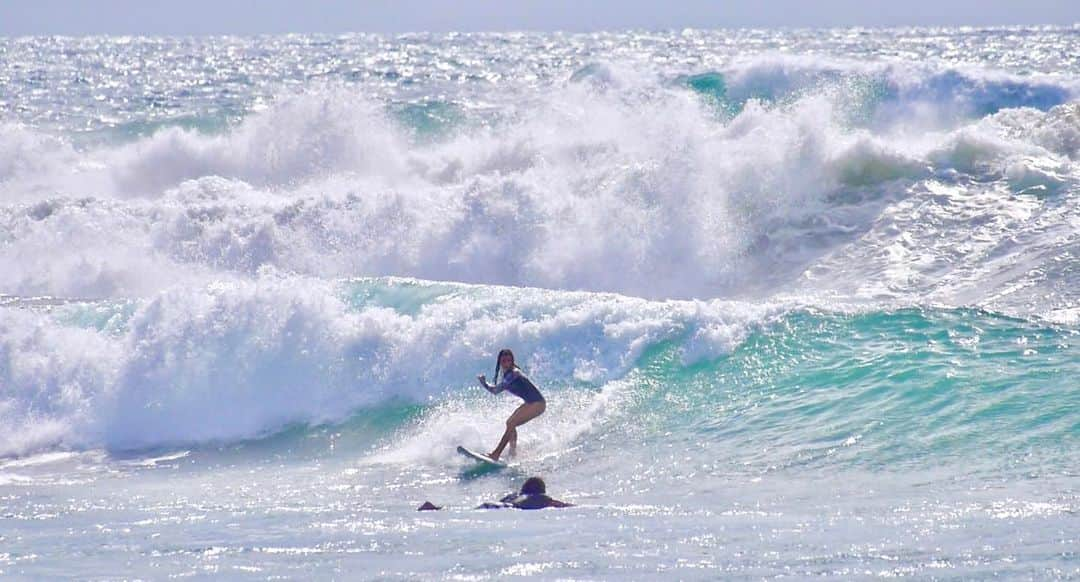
[517, 384]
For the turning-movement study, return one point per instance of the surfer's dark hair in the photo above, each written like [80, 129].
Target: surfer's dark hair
[533, 486]
[498, 359]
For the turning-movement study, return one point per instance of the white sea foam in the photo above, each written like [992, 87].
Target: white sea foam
[617, 180]
[242, 359]
[187, 225]
[631, 186]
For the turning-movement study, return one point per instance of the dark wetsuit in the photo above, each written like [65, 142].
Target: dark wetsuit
[521, 501]
[517, 384]
[538, 501]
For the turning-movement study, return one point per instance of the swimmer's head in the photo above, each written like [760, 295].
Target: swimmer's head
[533, 486]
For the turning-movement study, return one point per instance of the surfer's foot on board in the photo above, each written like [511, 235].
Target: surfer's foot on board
[510, 454]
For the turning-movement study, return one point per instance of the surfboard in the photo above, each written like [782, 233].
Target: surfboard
[480, 457]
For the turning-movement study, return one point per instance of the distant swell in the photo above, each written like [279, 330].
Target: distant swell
[878, 94]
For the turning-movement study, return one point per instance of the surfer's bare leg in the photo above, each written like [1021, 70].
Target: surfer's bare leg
[511, 433]
[523, 414]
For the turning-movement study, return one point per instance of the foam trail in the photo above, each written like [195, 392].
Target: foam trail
[477, 421]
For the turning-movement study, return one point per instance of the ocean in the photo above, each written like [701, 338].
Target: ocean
[803, 303]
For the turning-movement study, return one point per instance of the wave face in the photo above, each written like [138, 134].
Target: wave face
[245, 233]
[245, 360]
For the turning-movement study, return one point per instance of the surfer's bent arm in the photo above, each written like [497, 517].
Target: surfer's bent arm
[504, 382]
[489, 387]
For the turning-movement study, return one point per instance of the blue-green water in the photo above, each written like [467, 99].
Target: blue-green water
[802, 304]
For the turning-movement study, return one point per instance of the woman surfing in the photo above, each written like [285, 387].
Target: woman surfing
[515, 382]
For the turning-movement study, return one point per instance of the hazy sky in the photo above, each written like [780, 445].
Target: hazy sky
[75, 17]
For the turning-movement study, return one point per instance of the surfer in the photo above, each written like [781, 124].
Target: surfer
[514, 381]
[533, 495]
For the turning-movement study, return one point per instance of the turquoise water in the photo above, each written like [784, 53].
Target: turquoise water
[802, 303]
[915, 441]
[885, 391]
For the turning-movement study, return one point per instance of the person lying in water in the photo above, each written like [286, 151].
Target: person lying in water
[515, 382]
[533, 495]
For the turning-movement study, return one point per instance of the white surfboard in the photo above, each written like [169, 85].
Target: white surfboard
[480, 457]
